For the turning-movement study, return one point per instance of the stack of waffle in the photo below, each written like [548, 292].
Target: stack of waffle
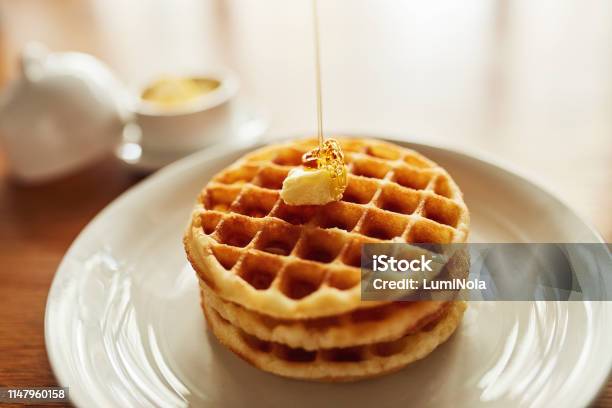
[280, 284]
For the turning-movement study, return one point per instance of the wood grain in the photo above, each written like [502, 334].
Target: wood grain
[526, 82]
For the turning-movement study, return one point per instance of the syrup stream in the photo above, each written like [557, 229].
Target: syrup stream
[315, 21]
[328, 155]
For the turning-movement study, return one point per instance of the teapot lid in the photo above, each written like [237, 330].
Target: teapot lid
[32, 61]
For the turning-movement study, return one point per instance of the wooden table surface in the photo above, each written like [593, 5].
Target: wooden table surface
[526, 82]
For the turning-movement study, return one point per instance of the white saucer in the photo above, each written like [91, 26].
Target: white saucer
[123, 325]
[131, 153]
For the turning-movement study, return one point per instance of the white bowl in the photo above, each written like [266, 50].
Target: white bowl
[194, 125]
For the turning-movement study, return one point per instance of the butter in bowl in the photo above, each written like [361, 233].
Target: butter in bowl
[180, 114]
[176, 92]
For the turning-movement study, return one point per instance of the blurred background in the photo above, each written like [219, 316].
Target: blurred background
[525, 82]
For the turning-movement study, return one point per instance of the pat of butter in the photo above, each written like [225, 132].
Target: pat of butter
[308, 187]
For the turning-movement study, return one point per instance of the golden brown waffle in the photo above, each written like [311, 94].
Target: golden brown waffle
[301, 262]
[362, 326]
[336, 364]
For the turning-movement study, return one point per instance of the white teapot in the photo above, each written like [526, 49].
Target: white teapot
[65, 111]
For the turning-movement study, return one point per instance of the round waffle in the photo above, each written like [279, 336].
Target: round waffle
[299, 262]
[336, 364]
[359, 327]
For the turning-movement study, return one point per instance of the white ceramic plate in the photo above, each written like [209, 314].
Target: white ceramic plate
[124, 327]
[248, 133]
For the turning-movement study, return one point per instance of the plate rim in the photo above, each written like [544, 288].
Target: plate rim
[79, 399]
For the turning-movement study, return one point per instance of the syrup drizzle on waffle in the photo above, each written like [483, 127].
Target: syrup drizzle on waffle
[329, 156]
